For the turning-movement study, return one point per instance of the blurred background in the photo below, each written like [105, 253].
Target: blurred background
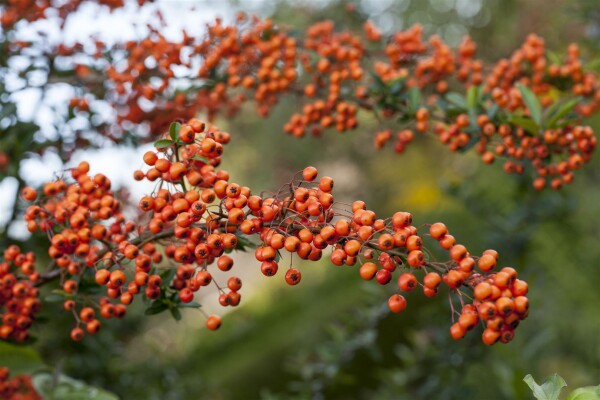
[332, 337]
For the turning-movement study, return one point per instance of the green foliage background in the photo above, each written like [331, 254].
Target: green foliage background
[332, 336]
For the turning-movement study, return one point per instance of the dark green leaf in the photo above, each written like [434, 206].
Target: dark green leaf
[457, 99]
[414, 99]
[397, 85]
[54, 297]
[561, 112]
[243, 242]
[168, 274]
[175, 313]
[549, 390]
[7, 109]
[174, 129]
[532, 103]
[525, 123]
[162, 143]
[157, 307]
[492, 111]
[20, 359]
[379, 83]
[191, 304]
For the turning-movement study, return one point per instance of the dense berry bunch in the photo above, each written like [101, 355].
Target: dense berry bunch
[501, 118]
[83, 222]
[527, 109]
[18, 295]
[16, 388]
[197, 215]
[32, 10]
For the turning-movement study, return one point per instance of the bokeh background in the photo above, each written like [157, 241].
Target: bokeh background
[332, 337]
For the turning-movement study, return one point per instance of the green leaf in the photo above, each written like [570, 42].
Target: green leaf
[457, 99]
[65, 388]
[525, 123]
[54, 297]
[593, 65]
[379, 83]
[397, 85]
[157, 307]
[175, 313]
[414, 99]
[549, 390]
[532, 103]
[585, 393]
[492, 111]
[243, 242]
[167, 275]
[174, 129]
[162, 143]
[561, 112]
[8, 109]
[473, 97]
[191, 304]
[553, 57]
[20, 359]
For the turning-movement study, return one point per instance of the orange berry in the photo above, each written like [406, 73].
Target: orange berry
[486, 262]
[309, 174]
[438, 230]
[213, 322]
[367, 271]
[407, 282]
[396, 303]
[457, 331]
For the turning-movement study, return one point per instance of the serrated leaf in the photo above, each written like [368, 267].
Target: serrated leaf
[20, 359]
[585, 393]
[561, 112]
[414, 99]
[157, 307]
[174, 129]
[549, 390]
[457, 99]
[532, 103]
[162, 143]
[526, 123]
[66, 388]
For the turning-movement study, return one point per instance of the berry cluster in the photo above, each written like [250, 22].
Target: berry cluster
[83, 220]
[16, 388]
[197, 215]
[256, 59]
[32, 10]
[527, 108]
[18, 295]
